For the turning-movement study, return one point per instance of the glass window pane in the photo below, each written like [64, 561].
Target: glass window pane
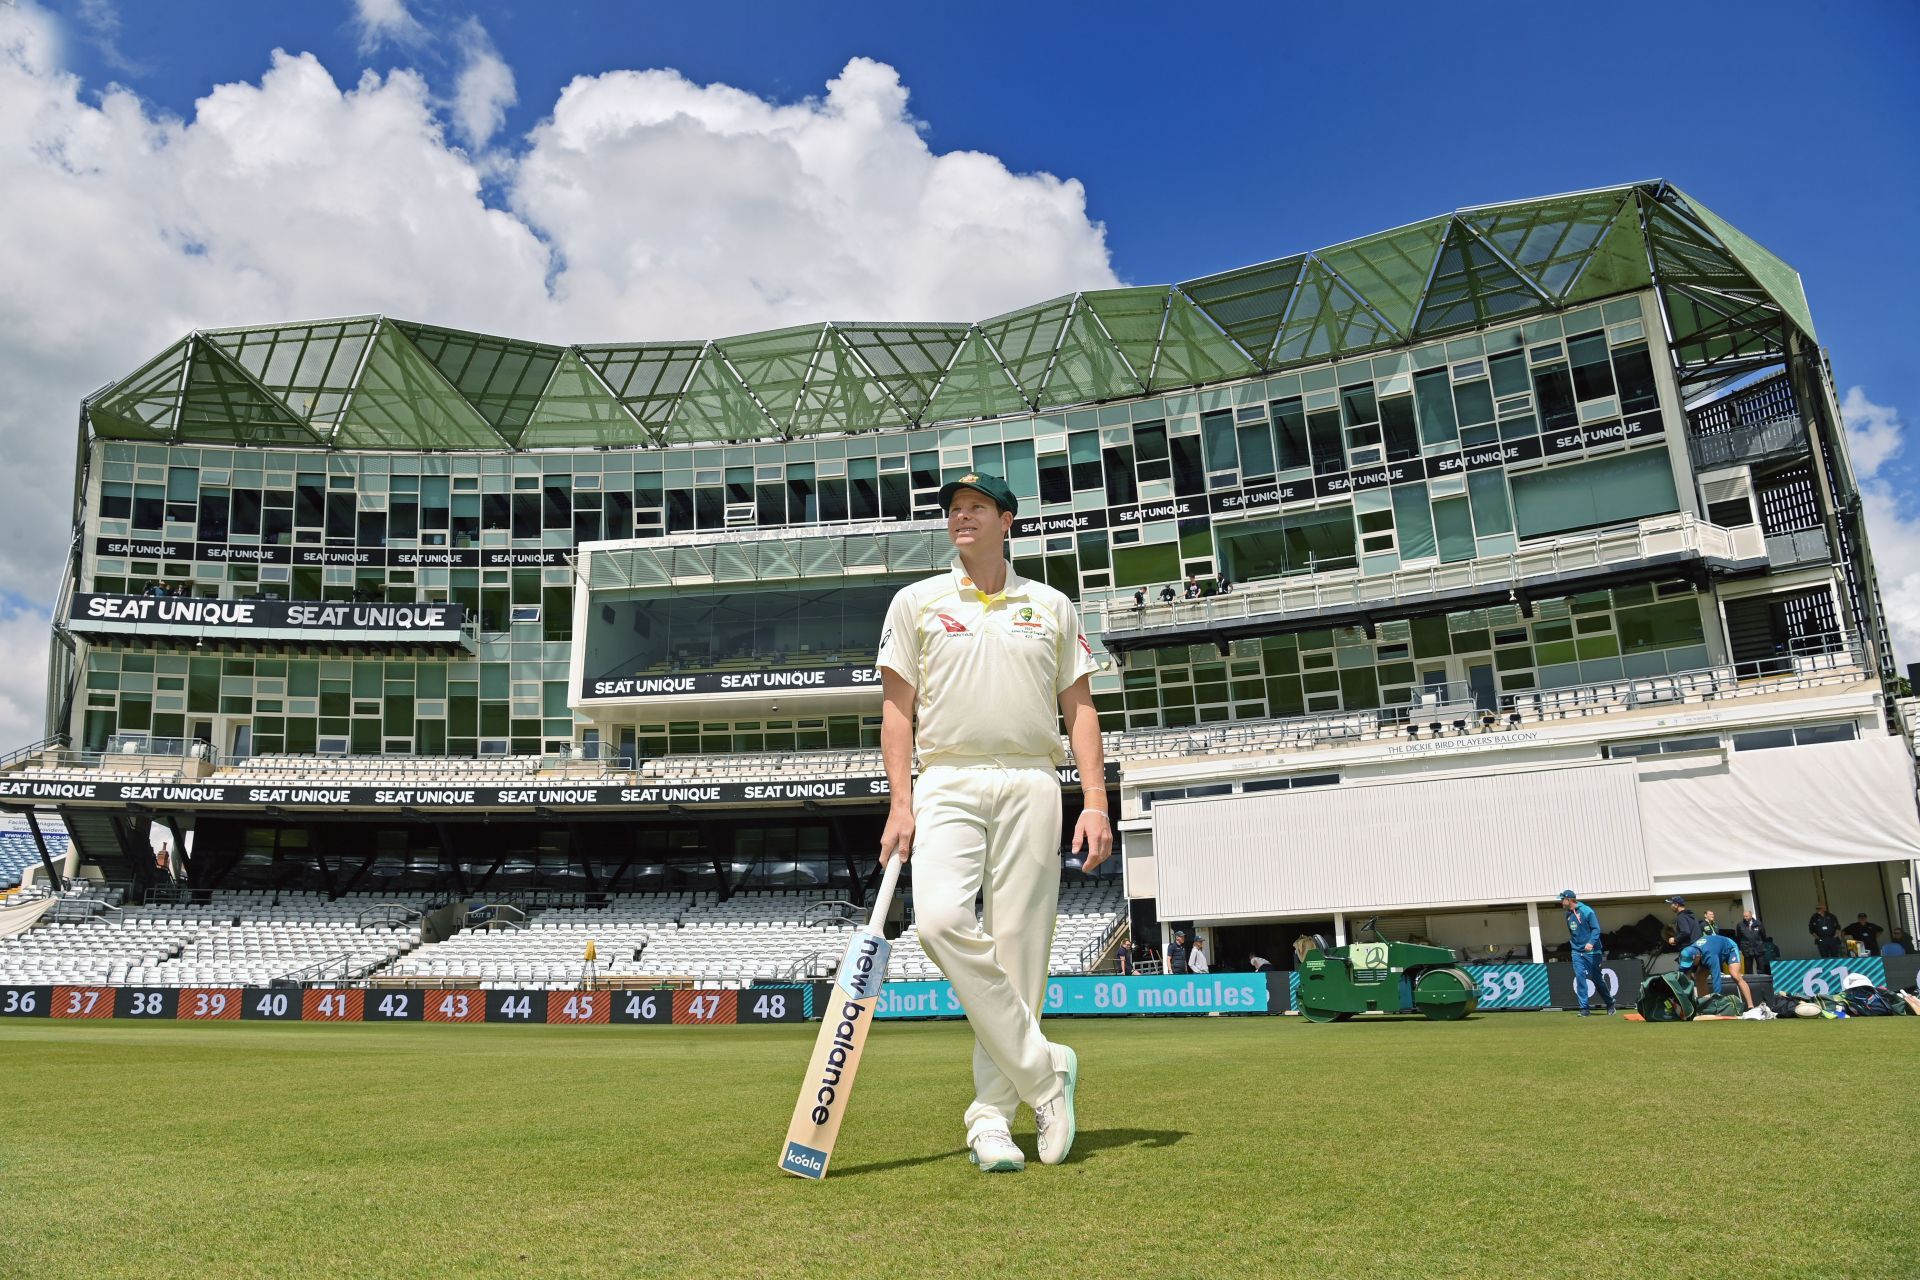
[1217, 430]
[1588, 494]
[1453, 529]
[1491, 512]
[1256, 450]
[1435, 397]
[1290, 428]
[1415, 522]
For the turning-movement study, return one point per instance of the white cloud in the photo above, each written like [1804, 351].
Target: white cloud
[679, 210]
[643, 206]
[1875, 434]
[484, 88]
[102, 22]
[24, 637]
[385, 22]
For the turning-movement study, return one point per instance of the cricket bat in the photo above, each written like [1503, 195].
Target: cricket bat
[828, 1086]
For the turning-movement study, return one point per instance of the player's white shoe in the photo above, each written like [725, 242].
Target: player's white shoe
[994, 1151]
[1053, 1117]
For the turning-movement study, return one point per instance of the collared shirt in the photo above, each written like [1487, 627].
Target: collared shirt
[1196, 961]
[987, 670]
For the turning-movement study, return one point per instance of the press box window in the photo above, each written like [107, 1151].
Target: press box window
[1800, 736]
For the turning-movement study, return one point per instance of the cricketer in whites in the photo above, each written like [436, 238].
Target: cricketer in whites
[973, 663]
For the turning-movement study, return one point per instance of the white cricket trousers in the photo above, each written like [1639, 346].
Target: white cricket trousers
[992, 830]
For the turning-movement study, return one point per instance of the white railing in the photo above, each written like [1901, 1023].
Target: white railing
[1810, 662]
[1322, 593]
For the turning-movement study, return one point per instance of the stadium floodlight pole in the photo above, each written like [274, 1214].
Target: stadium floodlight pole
[828, 1085]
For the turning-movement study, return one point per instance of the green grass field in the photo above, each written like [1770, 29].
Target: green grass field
[1510, 1146]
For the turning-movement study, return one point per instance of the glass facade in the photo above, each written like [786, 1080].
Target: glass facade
[1443, 452]
[1428, 397]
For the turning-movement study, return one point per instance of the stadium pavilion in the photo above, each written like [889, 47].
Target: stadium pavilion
[1524, 546]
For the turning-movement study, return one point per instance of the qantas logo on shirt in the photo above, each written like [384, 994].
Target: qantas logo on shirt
[953, 625]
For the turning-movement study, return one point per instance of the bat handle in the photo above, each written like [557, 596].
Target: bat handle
[884, 898]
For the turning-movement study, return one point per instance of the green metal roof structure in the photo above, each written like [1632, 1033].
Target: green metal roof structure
[371, 382]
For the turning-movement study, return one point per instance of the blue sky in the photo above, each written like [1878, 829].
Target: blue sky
[503, 167]
[1211, 136]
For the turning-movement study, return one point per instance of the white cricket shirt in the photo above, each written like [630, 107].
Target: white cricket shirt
[987, 671]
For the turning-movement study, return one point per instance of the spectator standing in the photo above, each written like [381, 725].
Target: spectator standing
[1197, 958]
[1193, 587]
[1708, 924]
[1177, 952]
[1583, 935]
[1825, 928]
[1752, 937]
[1686, 926]
[1866, 933]
[1140, 597]
[163, 859]
[1166, 594]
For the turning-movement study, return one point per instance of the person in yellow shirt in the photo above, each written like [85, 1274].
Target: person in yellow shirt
[973, 664]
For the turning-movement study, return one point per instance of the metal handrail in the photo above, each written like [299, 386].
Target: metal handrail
[1747, 443]
[1093, 950]
[1806, 661]
[391, 914]
[837, 911]
[1798, 546]
[321, 970]
[488, 917]
[1319, 593]
[57, 741]
[806, 966]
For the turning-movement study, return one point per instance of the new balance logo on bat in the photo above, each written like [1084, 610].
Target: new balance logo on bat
[864, 966]
[836, 1061]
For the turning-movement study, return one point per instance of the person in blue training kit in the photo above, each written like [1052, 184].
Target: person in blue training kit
[1583, 931]
[1716, 952]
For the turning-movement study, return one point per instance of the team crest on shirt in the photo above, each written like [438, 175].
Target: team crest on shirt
[1027, 623]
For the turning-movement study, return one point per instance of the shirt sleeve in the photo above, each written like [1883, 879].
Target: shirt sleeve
[900, 639]
[1073, 655]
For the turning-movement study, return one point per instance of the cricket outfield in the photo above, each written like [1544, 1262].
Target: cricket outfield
[1507, 1145]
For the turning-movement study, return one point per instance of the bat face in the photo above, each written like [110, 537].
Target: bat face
[828, 1086]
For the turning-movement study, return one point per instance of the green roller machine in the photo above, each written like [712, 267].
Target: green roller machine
[1383, 977]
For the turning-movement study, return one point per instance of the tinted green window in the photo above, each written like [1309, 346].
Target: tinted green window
[1435, 399]
[1145, 566]
[1256, 450]
[203, 685]
[1634, 370]
[1412, 519]
[1474, 403]
[1430, 638]
[1290, 428]
[1453, 528]
[1217, 431]
[1509, 374]
[1661, 626]
[1397, 425]
[1488, 492]
[1589, 494]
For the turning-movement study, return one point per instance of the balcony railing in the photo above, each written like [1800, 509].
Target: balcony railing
[1675, 537]
[1780, 438]
[1804, 663]
[1801, 546]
